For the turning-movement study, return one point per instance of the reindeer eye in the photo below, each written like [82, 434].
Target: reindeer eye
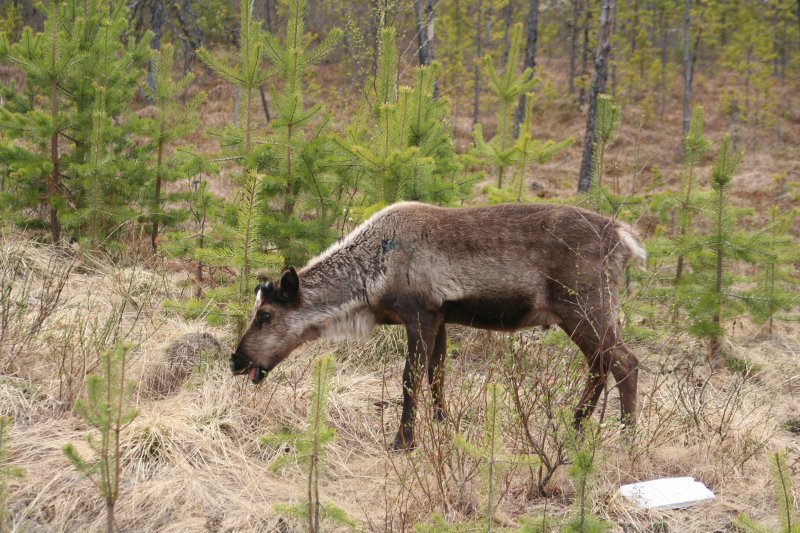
[264, 317]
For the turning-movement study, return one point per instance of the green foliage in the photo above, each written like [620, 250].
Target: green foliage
[172, 122]
[583, 451]
[401, 144]
[784, 497]
[490, 455]
[694, 147]
[309, 446]
[704, 292]
[294, 158]
[7, 472]
[107, 409]
[774, 291]
[241, 246]
[74, 148]
[501, 151]
[606, 126]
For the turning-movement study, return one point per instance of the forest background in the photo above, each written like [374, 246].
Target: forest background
[158, 160]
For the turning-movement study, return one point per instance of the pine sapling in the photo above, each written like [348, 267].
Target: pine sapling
[773, 292]
[493, 461]
[606, 126]
[107, 408]
[784, 497]
[7, 472]
[310, 446]
[583, 451]
[247, 75]
[530, 149]
[721, 175]
[501, 151]
[694, 147]
[172, 121]
[401, 143]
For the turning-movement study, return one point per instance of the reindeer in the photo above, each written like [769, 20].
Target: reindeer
[503, 267]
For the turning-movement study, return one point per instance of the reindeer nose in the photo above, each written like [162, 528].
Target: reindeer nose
[238, 363]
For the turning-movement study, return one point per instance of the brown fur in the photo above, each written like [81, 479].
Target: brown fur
[503, 267]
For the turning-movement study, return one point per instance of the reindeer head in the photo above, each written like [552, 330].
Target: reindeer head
[275, 328]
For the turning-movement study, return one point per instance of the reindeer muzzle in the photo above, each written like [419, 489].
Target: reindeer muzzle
[241, 365]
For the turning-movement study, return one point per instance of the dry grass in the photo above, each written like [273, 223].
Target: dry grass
[192, 459]
[193, 462]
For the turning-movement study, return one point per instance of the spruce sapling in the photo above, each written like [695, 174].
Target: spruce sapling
[310, 447]
[107, 408]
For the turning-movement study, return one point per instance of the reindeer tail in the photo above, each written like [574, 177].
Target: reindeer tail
[630, 242]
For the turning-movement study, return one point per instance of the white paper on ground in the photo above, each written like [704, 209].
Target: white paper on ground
[667, 493]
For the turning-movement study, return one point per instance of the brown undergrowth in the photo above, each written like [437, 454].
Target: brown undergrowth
[192, 459]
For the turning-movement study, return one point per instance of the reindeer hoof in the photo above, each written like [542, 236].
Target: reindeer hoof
[403, 443]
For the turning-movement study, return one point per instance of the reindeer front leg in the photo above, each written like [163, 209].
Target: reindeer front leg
[421, 328]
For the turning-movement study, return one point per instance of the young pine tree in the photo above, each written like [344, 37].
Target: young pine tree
[784, 496]
[500, 150]
[402, 147]
[528, 150]
[7, 472]
[243, 248]
[694, 147]
[583, 451]
[310, 446]
[80, 78]
[293, 158]
[705, 292]
[774, 288]
[606, 126]
[49, 61]
[172, 121]
[490, 455]
[107, 408]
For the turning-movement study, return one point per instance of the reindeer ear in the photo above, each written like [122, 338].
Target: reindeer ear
[288, 286]
[266, 290]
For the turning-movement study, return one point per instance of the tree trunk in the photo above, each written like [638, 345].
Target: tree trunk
[687, 67]
[530, 58]
[269, 14]
[573, 44]
[798, 16]
[425, 35]
[662, 89]
[53, 185]
[606, 22]
[507, 13]
[155, 42]
[477, 63]
[587, 17]
[157, 197]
